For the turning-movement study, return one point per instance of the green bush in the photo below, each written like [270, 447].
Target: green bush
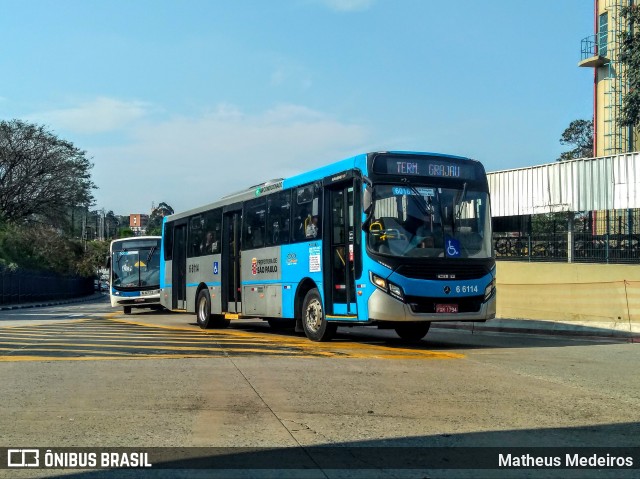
[40, 247]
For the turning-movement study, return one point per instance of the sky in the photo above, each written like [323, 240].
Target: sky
[183, 102]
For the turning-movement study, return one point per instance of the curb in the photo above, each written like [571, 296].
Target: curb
[54, 302]
[546, 328]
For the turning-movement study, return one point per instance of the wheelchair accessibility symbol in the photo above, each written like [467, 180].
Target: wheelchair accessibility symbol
[453, 248]
[215, 267]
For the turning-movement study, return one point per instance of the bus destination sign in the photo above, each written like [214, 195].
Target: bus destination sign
[425, 166]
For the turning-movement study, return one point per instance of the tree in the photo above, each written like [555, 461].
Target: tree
[630, 56]
[154, 226]
[39, 247]
[580, 134]
[41, 175]
[163, 210]
[94, 258]
[125, 233]
[111, 223]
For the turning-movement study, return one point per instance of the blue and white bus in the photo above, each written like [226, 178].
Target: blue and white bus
[391, 239]
[134, 273]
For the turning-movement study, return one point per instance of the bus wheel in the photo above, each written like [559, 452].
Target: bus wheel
[316, 327]
[203, 309]
[413, 331]
[127, 309]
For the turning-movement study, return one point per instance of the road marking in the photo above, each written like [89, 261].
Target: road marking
[112, 338]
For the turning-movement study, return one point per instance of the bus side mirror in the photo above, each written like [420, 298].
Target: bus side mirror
[367, 201]
[367, 205]
[107, 263]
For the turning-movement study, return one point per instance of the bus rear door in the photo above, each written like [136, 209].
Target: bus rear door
[179, 267]
[231, 293]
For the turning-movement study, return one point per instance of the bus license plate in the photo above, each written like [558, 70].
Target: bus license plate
[446, 308]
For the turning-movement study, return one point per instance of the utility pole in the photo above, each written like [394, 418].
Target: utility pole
[84, 230]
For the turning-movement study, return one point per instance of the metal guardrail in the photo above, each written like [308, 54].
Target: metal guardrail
[588, 47]
[23, 286]
[587, 248]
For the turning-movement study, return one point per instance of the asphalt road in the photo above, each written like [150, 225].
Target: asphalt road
[84, 375]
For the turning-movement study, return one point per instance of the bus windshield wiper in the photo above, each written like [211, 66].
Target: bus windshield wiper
[460, 199]
[415, 191]
[153, 248]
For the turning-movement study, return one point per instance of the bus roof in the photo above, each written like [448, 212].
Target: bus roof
[358, 161]
[135, 238]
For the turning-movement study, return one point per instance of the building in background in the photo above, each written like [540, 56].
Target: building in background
[138, 223]
[601, 52]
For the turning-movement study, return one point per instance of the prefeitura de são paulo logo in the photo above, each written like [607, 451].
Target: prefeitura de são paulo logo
[254, 266]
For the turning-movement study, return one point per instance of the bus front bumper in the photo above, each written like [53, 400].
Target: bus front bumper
[383, 307]
[141, 302]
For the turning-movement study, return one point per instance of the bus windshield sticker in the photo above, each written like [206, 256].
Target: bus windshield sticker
[403, 190]
[452, 248]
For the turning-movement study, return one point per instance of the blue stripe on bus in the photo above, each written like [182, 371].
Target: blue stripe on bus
[128, 294]
[208, 283]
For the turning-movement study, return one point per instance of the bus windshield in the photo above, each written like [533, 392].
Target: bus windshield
[424, 221]
[136, 266]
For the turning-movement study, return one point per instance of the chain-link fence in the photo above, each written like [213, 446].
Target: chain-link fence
[23, 286]
[590, 237]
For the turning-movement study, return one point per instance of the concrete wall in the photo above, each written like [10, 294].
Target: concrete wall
[587, 295]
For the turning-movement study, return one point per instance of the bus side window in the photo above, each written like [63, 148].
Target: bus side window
[306, 212]
[195, 236]
[213, 229]
[168, 241]
[278, 218]
[254, 222]
[316, 211]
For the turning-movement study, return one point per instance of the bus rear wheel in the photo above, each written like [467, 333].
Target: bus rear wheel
[204, 317]
[203, 309]
[315, 324]
[413, 331]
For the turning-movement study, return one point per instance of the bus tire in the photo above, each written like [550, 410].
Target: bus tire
[127, 309]
[413, 331]
[315, 324]
[203, 309]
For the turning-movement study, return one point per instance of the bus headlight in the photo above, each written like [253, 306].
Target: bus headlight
[387, 286]
[488, 291]
[379, 282]
[396, 291]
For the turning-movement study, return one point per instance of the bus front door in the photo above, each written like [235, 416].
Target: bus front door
[179, 267]
[340, 253]
[231, 292]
